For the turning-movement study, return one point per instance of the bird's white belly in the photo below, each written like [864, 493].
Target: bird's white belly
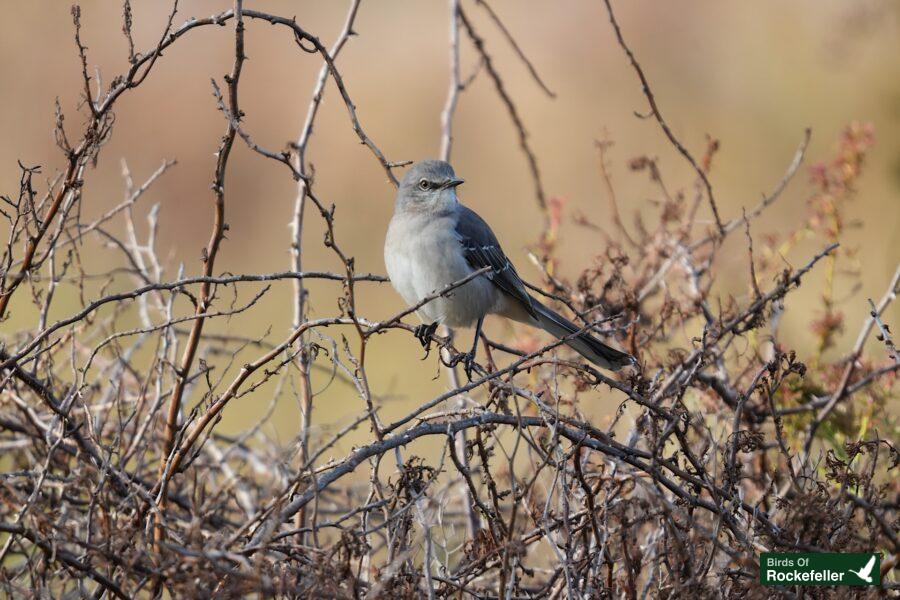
[424, 257]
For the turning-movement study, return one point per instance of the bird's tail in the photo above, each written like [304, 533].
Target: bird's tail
[584, 343]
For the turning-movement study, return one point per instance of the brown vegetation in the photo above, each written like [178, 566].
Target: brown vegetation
[116, 483]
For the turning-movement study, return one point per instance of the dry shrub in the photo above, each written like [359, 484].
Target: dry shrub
[115, 484]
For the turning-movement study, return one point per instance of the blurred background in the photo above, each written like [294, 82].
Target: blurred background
[753, 75]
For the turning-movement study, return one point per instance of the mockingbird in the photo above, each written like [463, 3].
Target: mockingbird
[434, 241]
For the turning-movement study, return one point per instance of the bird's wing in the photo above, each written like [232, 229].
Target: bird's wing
[481, 249]
[868, 568]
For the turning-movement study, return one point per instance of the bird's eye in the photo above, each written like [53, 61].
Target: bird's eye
[424, 184]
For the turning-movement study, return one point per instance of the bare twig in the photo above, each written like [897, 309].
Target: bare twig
[654, 108]
[494, 74]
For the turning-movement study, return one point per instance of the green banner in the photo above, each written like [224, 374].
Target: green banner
[826, 568]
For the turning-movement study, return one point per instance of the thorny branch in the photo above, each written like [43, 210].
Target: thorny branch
[654, 109]
[117, 480]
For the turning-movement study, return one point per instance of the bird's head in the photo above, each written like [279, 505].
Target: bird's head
[428, 186]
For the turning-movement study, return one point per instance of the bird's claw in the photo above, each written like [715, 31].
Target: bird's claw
[425, 334]
[469, 364]
[468, 361]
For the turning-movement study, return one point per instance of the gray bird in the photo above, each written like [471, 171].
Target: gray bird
[434, 241]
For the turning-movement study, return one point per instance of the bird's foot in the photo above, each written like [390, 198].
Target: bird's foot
[468, 361]
[469, 365]
[425, 334]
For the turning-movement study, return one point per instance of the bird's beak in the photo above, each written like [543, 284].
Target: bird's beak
[453, 183]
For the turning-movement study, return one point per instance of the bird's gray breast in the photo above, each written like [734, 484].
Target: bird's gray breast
[423, 255]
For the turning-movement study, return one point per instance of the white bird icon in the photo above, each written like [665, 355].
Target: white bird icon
[866, 572]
